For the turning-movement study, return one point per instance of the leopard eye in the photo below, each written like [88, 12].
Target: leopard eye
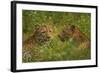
[49, 30]
[42, 31]
[63, 31]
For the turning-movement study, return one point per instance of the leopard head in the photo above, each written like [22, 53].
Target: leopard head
[43, 34]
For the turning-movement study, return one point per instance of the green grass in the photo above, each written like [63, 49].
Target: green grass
[56, 50]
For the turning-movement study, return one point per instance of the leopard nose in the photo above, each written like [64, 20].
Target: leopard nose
[59, 35]
[48, 37]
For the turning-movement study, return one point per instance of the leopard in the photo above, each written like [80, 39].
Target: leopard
[73, 33]
[42, 35]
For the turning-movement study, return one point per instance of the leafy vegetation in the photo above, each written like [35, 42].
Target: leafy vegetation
[56, 50]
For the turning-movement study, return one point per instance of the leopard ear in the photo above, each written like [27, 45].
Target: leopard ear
[72, 27]
[35, 30]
